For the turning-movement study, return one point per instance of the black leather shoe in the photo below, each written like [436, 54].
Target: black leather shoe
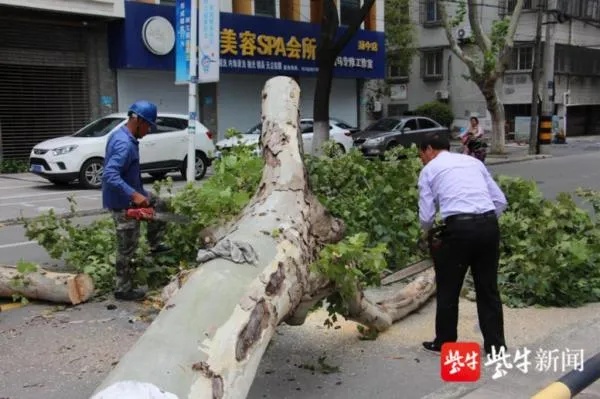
[160, 248]
[133, 295]
[432, 347]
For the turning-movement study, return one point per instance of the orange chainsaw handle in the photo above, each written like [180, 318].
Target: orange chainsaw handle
[140, 213]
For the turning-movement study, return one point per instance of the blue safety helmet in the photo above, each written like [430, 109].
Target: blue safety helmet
[145, 110]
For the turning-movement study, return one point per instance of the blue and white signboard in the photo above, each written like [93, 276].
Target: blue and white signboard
[208, 41]
[238, 44]
[182, 45]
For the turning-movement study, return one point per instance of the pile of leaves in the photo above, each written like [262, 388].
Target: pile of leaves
[549, 251]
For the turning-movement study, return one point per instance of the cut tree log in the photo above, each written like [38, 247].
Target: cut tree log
[46, 285]
[218, 320]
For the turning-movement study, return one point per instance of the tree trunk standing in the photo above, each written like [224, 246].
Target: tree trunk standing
[496, 109]
[321, 104]
[491, 59]
[328, 49]
[209, 339]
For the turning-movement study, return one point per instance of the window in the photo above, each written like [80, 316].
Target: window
[397, 109]
[427, 124]
[99, 128]
[265, 8]
[397, 70]
[384, 125]
[410, 124]
[166, 125]
[432, 63]
[431, 11]
[590, 9]
[522, 58]
[527, 5]
[348, 11]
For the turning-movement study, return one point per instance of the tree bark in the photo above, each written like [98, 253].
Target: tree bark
[208, 340]
[321, 105]
[496, 109]
[45, 285]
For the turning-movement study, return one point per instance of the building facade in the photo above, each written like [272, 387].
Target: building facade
[54, 70]
[259, 39]
[571, 65]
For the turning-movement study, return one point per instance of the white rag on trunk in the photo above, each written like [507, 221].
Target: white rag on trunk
[235, 251]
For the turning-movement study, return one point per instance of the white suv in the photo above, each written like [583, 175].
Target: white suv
[81, 155]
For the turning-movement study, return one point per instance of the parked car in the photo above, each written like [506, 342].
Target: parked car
[339, 131]
[390, 132]
[81, 155]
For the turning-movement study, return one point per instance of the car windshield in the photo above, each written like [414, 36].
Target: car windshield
[343, 125]
[99, 128]
[384, 125]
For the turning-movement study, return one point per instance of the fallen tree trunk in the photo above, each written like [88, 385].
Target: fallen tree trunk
[45, 285]
[218, 320]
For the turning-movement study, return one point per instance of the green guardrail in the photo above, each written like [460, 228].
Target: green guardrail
[573, 382]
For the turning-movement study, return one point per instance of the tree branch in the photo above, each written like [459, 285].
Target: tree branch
[482, 39]
[469, 62]
[353, 27]
[509, 41]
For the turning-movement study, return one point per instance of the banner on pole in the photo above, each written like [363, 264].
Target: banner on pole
[209, 41]
[183, 37]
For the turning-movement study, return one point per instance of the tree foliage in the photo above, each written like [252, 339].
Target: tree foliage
[438, 111]
[550, 250]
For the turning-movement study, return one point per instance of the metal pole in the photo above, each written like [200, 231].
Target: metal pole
[537, 63]
[574, 382]
[192, 93]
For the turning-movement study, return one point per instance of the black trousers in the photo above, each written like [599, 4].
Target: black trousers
[468, 243]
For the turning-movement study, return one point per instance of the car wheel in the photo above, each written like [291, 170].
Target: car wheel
[158, 175]
[90, 175]
[391, 145]
[201, 166]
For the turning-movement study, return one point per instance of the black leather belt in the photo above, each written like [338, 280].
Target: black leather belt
[470, 216]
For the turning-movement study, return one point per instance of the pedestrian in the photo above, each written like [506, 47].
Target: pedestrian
[469, 202]
[122, 188]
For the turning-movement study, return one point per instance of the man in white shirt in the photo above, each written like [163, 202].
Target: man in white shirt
[469, 202]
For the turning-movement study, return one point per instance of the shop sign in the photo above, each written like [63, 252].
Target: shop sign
[251, 44]
[247, 44]
[209, 41]
[182, 46]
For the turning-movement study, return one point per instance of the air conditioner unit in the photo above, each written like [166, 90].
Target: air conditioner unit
[463, 33]
[442, 94]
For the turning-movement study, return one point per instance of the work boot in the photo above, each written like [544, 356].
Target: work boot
[160, 248]
[131, 295]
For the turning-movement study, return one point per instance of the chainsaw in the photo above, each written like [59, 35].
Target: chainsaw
[150, 214]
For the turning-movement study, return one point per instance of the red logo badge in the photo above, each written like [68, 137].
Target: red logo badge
[460, 361]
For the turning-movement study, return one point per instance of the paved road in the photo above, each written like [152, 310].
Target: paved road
[27, 195]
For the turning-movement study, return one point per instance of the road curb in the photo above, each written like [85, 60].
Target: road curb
[500, 161]
[78, 214]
